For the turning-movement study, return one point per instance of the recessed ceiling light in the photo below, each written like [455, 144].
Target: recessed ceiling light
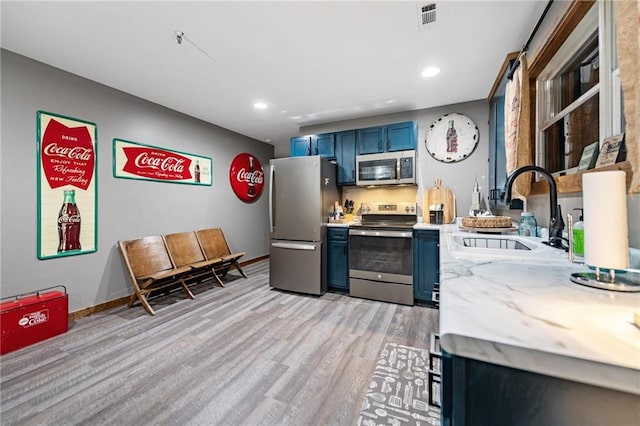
[260, 105]
[430, 72]
[268, 140]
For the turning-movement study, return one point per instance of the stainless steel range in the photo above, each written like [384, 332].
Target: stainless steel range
[381, 252]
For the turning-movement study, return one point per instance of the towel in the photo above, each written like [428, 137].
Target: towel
[518, 129]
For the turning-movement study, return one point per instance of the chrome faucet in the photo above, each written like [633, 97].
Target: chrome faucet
[556, 224]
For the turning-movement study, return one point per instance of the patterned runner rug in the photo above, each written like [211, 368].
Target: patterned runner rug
[399, 388]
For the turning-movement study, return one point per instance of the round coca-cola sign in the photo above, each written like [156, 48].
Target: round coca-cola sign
[246, 177]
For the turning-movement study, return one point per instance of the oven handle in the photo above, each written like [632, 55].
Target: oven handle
[369, 233]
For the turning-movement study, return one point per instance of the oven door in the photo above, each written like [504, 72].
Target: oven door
[381, 255]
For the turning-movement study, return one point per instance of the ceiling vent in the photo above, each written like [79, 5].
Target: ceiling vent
[426, 15]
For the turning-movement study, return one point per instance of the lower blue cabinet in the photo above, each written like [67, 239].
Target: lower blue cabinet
[338, 258]
[426, 266]
[480, 393]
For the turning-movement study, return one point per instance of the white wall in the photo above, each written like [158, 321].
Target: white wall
[459, 177]
[126, 208]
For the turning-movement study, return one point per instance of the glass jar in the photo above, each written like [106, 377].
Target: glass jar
[528, 225]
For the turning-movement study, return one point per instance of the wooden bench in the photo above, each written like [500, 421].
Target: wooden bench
[150, 269]
[159, 262]
[214, 246]
[185, 250]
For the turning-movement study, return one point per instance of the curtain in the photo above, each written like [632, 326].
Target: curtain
[628, 44]
[517, 128]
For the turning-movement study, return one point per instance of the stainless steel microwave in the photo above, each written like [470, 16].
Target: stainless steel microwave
[389, 168]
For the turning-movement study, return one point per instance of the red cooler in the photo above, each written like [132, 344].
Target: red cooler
[31, 317]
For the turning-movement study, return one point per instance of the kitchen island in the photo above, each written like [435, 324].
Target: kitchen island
[521, 334]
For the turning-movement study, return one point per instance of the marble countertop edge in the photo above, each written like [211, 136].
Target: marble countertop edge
[561, 366]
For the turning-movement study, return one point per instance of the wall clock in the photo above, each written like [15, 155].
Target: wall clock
[452, 138]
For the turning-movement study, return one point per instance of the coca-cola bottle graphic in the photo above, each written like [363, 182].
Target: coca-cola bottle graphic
[251, 190]
[452, 138]
[197, 172]
[69, 223]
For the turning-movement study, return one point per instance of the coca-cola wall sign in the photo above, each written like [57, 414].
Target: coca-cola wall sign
[246, 177]
[67, 187]
[132, 160]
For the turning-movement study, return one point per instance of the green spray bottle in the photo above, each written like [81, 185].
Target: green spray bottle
[578, 235]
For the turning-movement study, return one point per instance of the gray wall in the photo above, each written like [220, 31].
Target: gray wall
[459, 177]
[126, 208]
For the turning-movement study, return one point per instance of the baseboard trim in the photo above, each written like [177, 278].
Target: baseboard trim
[124, 300]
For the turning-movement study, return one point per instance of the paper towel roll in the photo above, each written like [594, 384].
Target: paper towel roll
[606, 237]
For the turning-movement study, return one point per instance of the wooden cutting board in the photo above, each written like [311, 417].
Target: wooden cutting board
[439, 195]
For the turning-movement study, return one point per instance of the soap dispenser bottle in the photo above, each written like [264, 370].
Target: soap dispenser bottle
[578, 235]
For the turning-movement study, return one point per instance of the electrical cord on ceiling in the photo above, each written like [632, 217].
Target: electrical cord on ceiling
[181, 36]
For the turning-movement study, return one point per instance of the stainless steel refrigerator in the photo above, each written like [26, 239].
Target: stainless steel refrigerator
[302, 193]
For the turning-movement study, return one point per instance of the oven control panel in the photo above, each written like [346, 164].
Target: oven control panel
[381, 207]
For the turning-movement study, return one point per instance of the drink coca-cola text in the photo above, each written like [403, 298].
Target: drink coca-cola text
[72, 153]
[171, 164]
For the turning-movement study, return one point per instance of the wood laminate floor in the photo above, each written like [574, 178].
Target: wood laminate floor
[240, 355]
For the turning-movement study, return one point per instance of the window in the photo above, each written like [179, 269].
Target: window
[579, 99]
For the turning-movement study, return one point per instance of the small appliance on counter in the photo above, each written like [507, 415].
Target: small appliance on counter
[381, 252]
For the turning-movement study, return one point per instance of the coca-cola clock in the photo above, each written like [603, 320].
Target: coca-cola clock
[246, 177]
[452, 138]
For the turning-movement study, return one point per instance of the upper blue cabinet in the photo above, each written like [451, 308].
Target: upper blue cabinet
[371, 140]
[392, 137]
[402, 136]
[323, 145]
[346, 157]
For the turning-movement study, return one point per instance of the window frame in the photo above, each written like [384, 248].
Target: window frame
[610, 104]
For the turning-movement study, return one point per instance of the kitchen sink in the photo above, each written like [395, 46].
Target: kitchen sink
[503, 247]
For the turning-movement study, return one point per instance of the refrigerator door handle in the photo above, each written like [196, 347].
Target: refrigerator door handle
[294, 246]
[271, 173]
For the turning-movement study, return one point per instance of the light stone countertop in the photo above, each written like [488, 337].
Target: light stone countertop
[530, 316]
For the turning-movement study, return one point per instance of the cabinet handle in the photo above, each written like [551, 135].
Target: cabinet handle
[309, 151]
[316, 150]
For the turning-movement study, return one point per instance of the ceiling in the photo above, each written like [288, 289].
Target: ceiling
[311, 62]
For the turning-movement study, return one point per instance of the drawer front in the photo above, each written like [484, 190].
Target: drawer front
[338, 234]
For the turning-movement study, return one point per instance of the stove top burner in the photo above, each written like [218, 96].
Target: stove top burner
[387, 215]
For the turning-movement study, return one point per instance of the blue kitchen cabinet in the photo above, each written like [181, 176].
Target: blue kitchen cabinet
[323, 145]
[300, 146]
[338, 259]
[392, 137]
[426, 266]
[401, 136]
[346, 157]
[371, 140]
[475, 392]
